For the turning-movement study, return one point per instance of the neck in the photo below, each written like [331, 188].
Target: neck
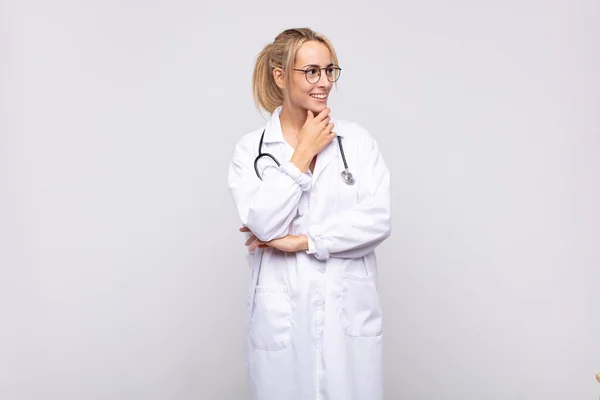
[292, 120]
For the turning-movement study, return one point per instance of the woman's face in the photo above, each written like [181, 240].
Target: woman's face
[302, 94]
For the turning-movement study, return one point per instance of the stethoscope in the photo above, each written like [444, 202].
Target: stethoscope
[346, 174]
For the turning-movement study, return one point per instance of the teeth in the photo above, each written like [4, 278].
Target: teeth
[319, 96]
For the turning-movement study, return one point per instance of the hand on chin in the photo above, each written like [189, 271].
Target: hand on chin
[317, 109]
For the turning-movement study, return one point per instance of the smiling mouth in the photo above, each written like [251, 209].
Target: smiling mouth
[319, 96]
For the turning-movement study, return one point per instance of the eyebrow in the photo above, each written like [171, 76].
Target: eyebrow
[317, 65]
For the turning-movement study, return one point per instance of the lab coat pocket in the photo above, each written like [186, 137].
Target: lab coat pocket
[271, 322]
[360, 308]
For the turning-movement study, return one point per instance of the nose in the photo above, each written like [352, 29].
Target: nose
[323, 82]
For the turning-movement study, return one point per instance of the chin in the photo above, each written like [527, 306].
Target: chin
[317, 108]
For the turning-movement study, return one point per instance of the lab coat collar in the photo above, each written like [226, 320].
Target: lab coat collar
[273, 132]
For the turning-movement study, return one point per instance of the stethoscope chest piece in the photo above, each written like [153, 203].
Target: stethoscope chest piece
[347, 177]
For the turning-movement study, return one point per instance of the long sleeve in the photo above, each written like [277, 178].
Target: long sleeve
[357, 231]
[268, 206]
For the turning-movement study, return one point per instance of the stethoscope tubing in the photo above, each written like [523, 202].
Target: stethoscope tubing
[346, 174]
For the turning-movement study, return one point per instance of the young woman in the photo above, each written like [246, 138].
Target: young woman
[313, 194]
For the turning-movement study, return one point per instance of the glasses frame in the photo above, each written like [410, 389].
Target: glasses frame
[320, 69]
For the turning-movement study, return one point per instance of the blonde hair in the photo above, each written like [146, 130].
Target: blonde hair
[281, 53]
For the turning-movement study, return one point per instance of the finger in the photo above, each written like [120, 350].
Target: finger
[328, 128]
[244, 229]
[309, 115]
[329, 138]
[263, 246]
[325, 121]
[323, 114]
[254, 245]
[250, 240]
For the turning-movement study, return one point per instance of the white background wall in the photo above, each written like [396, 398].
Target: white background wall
[122, 272]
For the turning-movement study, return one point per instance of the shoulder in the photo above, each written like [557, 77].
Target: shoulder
[352, 130]
[248, 143]
[251, 137]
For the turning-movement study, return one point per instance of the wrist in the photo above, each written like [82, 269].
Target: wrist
[301, 243]
[301, 159]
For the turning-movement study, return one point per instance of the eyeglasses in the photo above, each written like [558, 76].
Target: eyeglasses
[313, 73]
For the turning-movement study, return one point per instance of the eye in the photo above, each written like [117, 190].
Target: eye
[312, 71]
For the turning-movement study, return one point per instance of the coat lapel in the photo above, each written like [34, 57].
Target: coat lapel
[329, 153]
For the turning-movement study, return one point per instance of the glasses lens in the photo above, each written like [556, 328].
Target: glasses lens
[333, 74]
[313, 75]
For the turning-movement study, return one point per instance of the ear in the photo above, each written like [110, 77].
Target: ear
[279, 77]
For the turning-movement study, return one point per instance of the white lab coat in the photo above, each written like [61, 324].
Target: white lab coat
[314, 325]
